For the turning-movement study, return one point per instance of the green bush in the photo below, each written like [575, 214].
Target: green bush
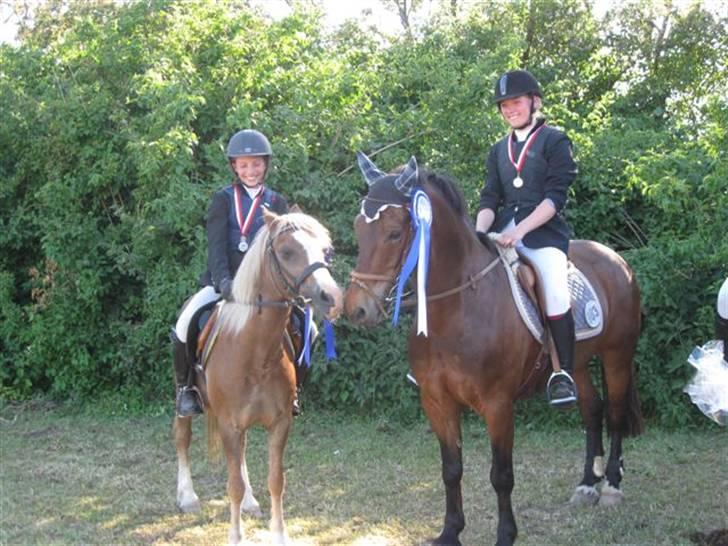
[115, 117]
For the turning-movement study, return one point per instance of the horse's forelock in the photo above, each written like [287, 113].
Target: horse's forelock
[300, 221]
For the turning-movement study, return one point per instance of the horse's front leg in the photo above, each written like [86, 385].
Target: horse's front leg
[444, 417]
[231, 440]
[277, 438]
[499, 418]
[187, 499]
[249, 505]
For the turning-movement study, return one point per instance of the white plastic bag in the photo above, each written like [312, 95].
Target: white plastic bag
[709, 388]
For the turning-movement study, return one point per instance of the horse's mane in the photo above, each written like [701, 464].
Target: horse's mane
[447, 187]
[246, 283]
[453, 196]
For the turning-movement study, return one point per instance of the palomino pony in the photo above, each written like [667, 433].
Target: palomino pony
[478, 352]
[249, 374]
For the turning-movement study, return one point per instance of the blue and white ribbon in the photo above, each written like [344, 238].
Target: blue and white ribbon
[418, 255]
[305, 356]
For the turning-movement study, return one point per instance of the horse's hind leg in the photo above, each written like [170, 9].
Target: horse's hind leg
[249, 505]
[187, 499]
[277, 438]
[444, 417]
[591, 408]
[623, 417]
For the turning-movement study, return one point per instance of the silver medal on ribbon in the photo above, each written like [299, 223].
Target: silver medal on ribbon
[243, 244]
[517, 182]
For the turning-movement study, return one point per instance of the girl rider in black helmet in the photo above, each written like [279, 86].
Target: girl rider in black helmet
[528, 174]
[234, 217]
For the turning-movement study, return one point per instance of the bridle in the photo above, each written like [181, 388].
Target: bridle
[286, 282]
[359, 279]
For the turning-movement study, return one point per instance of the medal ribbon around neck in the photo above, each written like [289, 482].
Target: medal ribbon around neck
[245, 224]
[522, 156]
[418, 255]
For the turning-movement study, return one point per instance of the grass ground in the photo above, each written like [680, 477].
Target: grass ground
[86, 479]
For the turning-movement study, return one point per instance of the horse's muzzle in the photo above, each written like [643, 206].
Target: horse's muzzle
[361, 308]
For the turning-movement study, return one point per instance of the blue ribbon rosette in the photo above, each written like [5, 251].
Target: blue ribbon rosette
[417, 256]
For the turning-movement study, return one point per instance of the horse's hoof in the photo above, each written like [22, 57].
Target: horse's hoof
[189, 504]
[585, 495]
[611, 496]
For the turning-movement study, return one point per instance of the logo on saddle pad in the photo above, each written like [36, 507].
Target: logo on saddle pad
[585, 305]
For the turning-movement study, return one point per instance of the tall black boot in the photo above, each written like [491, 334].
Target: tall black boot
[561, 389]
[721, 333]
[188, 401]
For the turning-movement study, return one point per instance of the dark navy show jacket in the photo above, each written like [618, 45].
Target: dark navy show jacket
[548, 171]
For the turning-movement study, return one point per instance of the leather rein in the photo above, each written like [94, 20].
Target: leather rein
[358, 279]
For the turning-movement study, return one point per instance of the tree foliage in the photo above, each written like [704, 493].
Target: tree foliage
[115, 117]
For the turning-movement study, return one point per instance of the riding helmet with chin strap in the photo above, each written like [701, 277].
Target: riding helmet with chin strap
[249, 142]
[514, 84]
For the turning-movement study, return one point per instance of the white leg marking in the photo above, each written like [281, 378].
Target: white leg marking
[187, 499]
[249, 505]
[598, 466]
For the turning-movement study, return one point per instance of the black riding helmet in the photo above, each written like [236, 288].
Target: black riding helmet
[514, 84]
[249, 142]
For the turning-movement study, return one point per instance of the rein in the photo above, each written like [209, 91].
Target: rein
[357, 278]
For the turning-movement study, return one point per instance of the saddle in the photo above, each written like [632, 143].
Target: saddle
[528, 295]
[292, 338]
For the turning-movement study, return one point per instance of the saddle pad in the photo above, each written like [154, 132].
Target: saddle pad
[585, 305]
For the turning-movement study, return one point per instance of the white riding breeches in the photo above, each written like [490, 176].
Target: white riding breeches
[552, 266]
[204, 296]
[722, 303]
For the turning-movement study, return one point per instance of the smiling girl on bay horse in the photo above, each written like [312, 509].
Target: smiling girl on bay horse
[529, 172]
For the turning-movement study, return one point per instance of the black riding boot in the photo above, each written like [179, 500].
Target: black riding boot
[721, 333]
[561, 390]
[188, 401]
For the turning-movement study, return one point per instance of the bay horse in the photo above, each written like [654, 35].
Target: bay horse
[477, 352]
[249, 376]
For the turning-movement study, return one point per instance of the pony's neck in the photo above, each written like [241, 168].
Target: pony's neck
[455, 252]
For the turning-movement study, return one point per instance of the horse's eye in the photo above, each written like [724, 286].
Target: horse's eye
[287, 253]
[329, 256]
[394, 236]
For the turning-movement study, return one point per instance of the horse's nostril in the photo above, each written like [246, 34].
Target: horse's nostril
[326, 297]
[359, 314]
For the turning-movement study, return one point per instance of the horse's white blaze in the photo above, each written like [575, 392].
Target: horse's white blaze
[314, 248]
[598, 466]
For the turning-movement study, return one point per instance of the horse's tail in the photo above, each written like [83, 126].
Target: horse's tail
[634, 424]
[214, 444]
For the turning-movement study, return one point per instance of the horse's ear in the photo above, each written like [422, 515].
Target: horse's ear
[407, 178]
[268, 216]
[368, 169]
[295, 208]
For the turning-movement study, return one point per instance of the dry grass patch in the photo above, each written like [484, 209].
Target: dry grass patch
[84, 479]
